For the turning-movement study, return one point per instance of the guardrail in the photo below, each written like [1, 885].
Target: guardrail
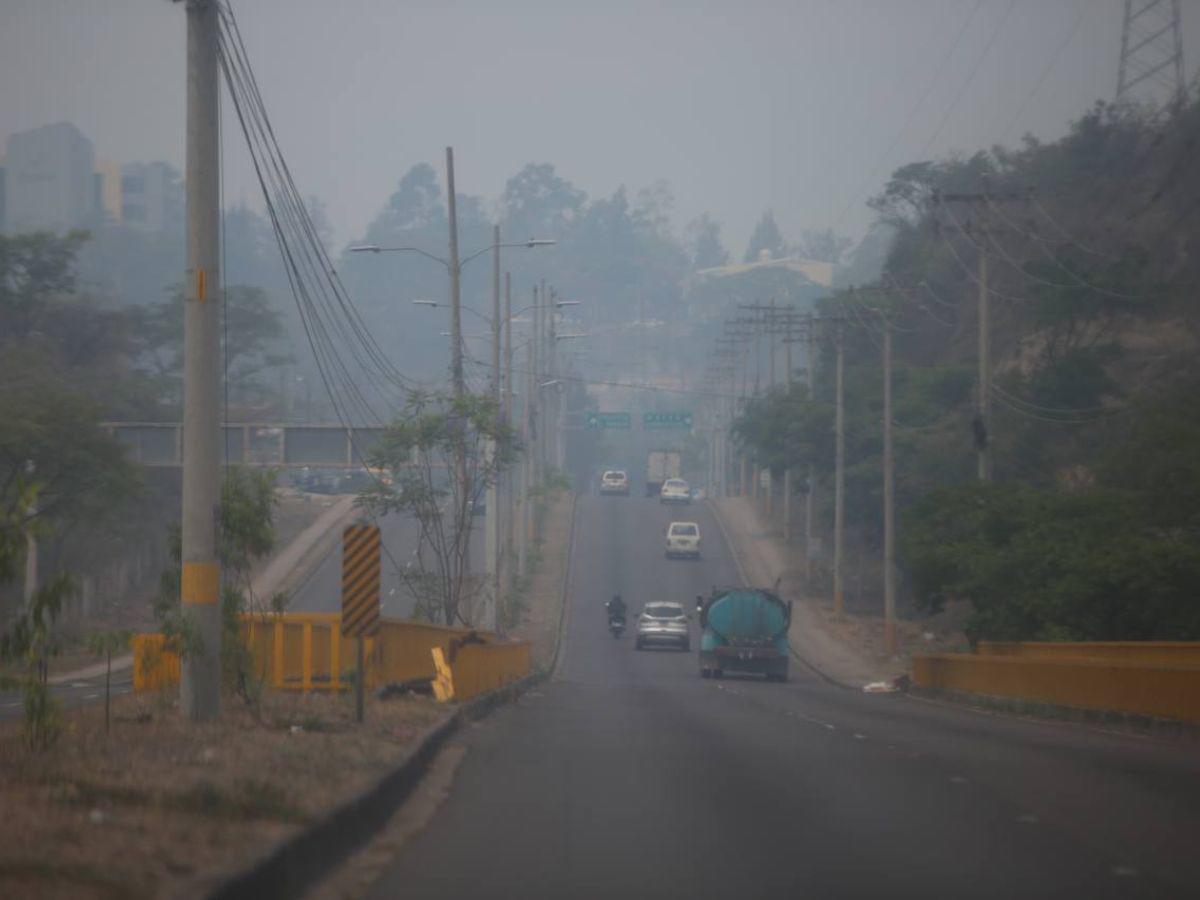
[466, 670]
[306, 652]
[1158, 652]
[1125, 683]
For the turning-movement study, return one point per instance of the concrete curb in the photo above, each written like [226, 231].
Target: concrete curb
[736, 553]
[292, 867]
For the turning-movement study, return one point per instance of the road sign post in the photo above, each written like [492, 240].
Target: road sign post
[609, 420]
[661, 420]
[360, 594]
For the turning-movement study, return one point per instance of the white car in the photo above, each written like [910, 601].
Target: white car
[614, 481]
[663, 623]
[675, 490]
[683, 539]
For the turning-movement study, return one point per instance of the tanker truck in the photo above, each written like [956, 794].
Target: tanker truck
[744, 630]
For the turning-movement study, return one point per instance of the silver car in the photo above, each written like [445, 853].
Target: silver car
[663, 622]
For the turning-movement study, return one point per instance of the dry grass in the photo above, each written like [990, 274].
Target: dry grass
[159, 807]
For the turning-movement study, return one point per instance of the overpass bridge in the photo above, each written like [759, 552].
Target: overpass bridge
[253, 444]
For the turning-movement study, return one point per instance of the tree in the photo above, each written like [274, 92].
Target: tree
[105, 644]
[253, 342]
[824, 245]
[34, 268]
[537, 202]
[704, 241]
[766, 237]
[420, 451]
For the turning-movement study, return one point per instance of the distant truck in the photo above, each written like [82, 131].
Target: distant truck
[661, 465]
[744, 630]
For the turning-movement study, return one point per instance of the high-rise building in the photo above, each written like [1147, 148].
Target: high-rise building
[49, 183]
[151, 196]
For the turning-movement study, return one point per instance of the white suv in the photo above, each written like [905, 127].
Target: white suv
[675, 490]
[683, 539]
[614, 481]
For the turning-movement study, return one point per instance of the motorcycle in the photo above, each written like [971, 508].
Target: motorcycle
[616, 624]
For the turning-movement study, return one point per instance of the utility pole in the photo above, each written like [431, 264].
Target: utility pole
[552, 433]
[456, 348]
[510, 473]
[456, 371]
[983, 435]
[839, 480]
[525, 533]
[810, 498]
[889, 498]
[201, 571]
[492, 503]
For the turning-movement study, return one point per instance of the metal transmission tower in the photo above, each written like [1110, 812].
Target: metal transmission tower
[1151, 48]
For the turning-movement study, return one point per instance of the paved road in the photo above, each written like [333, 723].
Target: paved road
[629, 776]
[71, 694]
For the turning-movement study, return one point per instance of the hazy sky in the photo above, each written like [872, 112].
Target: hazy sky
[741, 106]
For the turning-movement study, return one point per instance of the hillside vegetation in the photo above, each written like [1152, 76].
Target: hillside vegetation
[1088, 527]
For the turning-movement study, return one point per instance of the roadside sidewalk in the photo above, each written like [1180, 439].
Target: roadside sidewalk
[762, 559]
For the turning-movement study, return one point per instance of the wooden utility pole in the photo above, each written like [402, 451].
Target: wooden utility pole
[839, 479]
[492, 502]
[510, 473]
[200, 685]
[983, 425]
[810, 498]
[889, 499]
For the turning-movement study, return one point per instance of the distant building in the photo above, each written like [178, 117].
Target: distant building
[816, 271]
[151, 196]
[50, 181]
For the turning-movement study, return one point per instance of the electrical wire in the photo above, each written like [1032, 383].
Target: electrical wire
[970, 78]
[933, 82]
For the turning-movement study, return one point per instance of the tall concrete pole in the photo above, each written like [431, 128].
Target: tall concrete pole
[889, 499]
[201, 573]
[510, 474]
[462, 514]
[534, 442]
[552, 434]
[492, 504]
[839, 480]
[456, 339]
[810, 498]
[983, 436]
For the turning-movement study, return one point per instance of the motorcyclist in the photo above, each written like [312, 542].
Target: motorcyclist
[615, 608]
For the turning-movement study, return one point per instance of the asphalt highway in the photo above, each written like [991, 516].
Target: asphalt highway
[629, 776]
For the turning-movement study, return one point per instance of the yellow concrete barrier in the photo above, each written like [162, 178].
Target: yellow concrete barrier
[467, 670]
[1156, 652]
[154, 666]
[306, 652]
[1132, 687]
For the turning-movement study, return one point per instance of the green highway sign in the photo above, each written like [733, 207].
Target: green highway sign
[609, 420]
[667, 420]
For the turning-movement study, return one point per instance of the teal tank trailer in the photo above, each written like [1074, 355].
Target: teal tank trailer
[744, 630]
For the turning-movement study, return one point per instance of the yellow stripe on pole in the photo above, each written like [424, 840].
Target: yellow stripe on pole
[200, 289]
[200, 583]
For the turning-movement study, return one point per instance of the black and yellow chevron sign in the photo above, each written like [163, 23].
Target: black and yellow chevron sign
[360, 580]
